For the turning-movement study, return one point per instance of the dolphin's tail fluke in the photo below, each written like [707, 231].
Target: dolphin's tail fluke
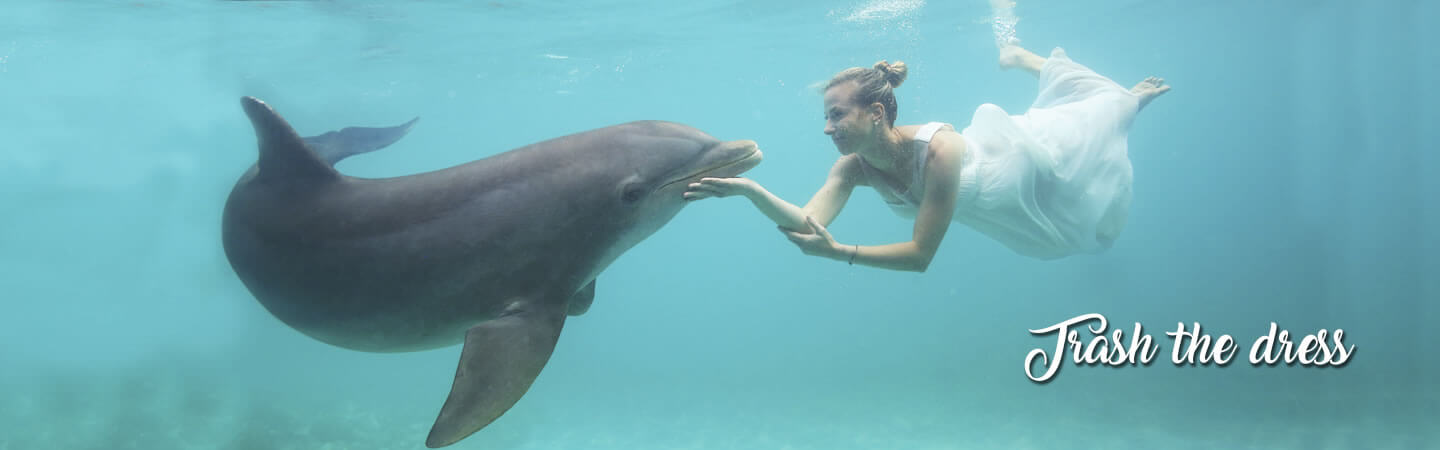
[334, 146]
[500, 360]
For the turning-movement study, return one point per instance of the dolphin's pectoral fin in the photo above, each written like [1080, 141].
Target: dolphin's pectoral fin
[500, 360]
[334, 146]
[580, 302]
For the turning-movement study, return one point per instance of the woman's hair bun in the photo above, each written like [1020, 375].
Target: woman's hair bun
[894, 73]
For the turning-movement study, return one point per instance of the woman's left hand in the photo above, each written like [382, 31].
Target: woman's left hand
[817, 242]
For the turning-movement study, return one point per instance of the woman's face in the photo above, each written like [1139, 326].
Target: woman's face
[847, 124]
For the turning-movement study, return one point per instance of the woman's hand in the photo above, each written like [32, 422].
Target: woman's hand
[720, 187]
[817, 242]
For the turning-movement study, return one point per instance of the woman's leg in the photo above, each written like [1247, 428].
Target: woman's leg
[1013, 56]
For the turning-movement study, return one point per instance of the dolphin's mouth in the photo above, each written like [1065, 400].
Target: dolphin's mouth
[750, 158]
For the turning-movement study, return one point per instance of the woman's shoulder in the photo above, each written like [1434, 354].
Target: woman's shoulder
[947, 147]
[912, 132]
[944, 138]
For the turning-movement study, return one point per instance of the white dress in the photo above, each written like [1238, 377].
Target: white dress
[1049, 183]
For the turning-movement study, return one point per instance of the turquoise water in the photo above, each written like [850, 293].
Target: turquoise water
[1286, 179]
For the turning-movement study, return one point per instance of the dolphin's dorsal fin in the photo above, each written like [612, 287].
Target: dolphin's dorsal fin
[283, 154]
[500, 359]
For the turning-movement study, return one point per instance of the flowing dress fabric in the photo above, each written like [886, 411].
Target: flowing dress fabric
[1054, 181]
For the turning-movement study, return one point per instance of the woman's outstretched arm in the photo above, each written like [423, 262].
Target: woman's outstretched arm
[824, 206]
[806, 226]
[942, 188]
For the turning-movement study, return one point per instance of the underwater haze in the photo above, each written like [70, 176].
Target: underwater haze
[1288, 177]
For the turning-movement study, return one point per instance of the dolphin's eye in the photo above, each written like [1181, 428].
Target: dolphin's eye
[632, 193]
[632, 190]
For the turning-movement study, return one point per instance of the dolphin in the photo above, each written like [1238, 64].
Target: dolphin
[495, 253]
[334, 146]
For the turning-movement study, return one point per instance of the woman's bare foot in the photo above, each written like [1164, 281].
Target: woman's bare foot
[1149, 89]
[1010, 56]
[1013, 56]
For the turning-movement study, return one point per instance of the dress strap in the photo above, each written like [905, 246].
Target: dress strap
[922, 151]
[927, 131]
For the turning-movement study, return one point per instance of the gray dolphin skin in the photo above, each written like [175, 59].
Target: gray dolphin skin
[494, 253]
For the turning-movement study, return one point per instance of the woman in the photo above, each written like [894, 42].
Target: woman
[1049, 183]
